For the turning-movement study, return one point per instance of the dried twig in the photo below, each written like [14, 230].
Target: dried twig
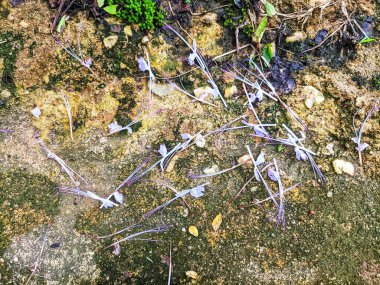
[68, 109]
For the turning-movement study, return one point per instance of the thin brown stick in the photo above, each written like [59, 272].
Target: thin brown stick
[231, 51]
[329, 36]
[211, 10]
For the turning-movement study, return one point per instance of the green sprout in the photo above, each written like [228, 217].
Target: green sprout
[142, 12]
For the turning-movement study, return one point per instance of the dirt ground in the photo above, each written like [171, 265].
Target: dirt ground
[47, 237]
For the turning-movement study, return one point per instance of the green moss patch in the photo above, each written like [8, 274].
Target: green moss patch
[26, 200]
[145, 13]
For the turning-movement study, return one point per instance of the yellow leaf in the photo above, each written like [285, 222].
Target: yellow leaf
[217, 222]
[194, 231]
[192, 274]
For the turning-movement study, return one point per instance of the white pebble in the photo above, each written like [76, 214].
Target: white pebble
[341, 166]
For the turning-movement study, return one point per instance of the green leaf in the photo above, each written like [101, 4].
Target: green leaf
[111, 9]
[269, 9]
[61, 23]
[260, 30]
[269, 51]
[100, 3]
[367, 40]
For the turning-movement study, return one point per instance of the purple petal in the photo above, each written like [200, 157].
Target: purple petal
[260, 159]
[163, 150]
[362, 146]
[119, 197]
[260, 131]
[142, 64]
[191, 58]
[300, 154]
[197, 192]
[273, 174]
[186, 136]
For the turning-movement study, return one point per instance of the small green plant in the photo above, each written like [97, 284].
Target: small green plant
[142, 12]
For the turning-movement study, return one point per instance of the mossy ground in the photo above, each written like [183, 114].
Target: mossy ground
[327, 240]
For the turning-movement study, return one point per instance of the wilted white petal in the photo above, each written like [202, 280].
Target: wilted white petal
[36, 112]
[183, 193]
[142, 64]
[303, 136]
[257, 174]
[129, 129]
[200, 141]
[273, 174]
[252, 97]
[259, 95]
[194, 45]
[259, 131]
[107, 203]
[300, 154]
[114, 127]
[197, 192]
[260, 159]
[163, 151]
[362, 146]
[215, 93]
[355, 139]
[191, 58]
[88, 62]
[118, 197]
[186, 136]
[116, 249]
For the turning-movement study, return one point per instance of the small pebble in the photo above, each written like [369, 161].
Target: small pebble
[5, 93]
[128, 31]
[340, 166]
[203, 92]
[211, 170]
[228, 92]
[200, 141]
[296, 37]
[313, 96]
[145, 40]
[110, 41]
[24, 24]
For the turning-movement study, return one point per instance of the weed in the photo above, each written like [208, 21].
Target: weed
[146, 13]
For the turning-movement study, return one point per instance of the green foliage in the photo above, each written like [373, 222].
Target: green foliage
[111, 9]
[269, 51]
[100, 3]
[260, 29]
[269, 9]
[367, 40]
[61, 23]
[142, 12]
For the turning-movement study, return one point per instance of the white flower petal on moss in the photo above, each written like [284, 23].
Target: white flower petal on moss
[36, 112]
